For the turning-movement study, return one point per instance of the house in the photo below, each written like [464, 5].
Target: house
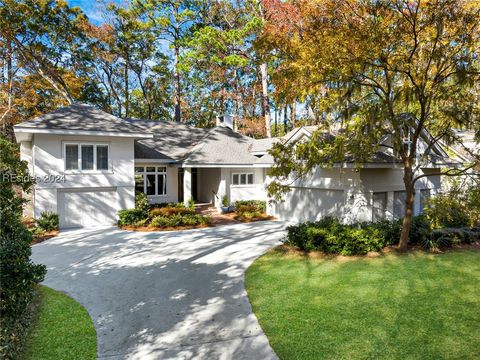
[88, 165]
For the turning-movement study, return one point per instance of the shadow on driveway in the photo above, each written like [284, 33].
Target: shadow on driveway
[164, 295]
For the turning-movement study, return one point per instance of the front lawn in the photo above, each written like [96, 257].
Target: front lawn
[63, 329]
[408, 306]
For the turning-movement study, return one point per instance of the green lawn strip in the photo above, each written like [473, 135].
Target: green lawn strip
[63, 329]
[407, 306]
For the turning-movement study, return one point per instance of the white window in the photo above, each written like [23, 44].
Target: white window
[151, 180]
[242, 179]
[86, 157]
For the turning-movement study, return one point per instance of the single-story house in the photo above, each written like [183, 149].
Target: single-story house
[88, 164]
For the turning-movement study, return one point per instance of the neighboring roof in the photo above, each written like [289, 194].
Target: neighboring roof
[224, 146]
[79, 118]
[263, 145]
[171, 141]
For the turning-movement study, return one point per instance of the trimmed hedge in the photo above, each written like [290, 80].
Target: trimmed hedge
[253, 205]
[170, 210]
[180, 220]
[330, 236]
[131, 216]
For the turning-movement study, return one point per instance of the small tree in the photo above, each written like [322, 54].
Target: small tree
[18, 275]
[408, 70]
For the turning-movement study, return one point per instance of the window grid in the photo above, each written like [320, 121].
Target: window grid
[80, 165]
[242, 178]
[159, 172]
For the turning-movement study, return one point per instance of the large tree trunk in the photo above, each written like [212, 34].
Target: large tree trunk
[178, 109]
[285, 119]
[265, 101]
[127, 97]
[409, 201]
[293, 110]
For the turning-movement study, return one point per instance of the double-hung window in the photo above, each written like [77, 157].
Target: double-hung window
[151, 180]
[242, 179]
[86, 157]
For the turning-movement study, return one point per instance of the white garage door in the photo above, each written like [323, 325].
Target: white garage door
[310, 204]
[87, 208]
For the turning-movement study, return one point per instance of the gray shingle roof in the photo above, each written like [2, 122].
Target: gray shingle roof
[171, 141]
[80, 117]
[223, 146]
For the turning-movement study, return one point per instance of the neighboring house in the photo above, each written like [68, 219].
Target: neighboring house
[88, 165]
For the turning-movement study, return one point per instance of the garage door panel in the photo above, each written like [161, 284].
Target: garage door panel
[87, 208]
[305, 204]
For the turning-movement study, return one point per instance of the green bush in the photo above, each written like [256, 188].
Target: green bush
[48, 221]
[18, 275]
[141, 202]
[446, 210]
[169, 210]
[179, 220]
[330, 236]
[131, 216]
[442, 238]
[420, 230]
[255, 205]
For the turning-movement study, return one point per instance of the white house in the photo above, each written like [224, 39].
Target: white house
[88, 165]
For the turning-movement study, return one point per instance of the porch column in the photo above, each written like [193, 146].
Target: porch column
[187, 185]
[222, 188]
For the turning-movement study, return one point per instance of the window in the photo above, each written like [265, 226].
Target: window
[242, 179]
[71, 157]
[151, 180]
[425, 195]
[86, 157]
[379, 209]
[399, 198]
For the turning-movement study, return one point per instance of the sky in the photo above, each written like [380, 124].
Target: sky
[92, 8]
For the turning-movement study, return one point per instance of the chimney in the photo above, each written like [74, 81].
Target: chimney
[227, 120]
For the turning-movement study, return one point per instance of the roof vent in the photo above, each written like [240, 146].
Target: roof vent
[227, 120]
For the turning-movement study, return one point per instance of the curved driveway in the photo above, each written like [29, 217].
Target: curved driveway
[164, 295]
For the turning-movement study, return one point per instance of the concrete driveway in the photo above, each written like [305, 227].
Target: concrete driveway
[164, 295]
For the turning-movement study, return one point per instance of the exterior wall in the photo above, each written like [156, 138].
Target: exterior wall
[256, 191]
[347, 194]
[208, 185]
[48, 160]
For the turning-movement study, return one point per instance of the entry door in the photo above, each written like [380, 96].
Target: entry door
[180, 185]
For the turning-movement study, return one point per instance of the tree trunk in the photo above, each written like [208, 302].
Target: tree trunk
[285, 119]
[409, 201]
[265, 102]
[276, 122]
[178, 109]
[293, 111]
[127, 98]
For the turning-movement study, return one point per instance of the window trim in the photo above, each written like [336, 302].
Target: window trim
[157, 172]
[79, 170]
[246, 178]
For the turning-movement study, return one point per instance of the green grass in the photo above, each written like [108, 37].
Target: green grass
[407, 306]
[63, 329]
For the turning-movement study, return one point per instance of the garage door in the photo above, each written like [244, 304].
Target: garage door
[310, 204]
[87, 208]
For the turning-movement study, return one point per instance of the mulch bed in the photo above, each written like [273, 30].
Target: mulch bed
[48, 235]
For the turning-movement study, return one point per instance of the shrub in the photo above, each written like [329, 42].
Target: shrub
[446, 210]
[224, 200]
[390, 229]
[180, 220]
[330, 236]
[191, 203]
[168, 211]
[141, 202]
[131, 216]
[18, 275]
[48, 221]
[420, 230]
[257, 205]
